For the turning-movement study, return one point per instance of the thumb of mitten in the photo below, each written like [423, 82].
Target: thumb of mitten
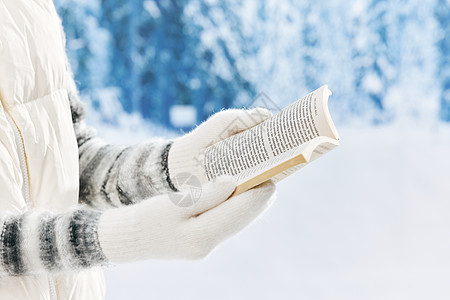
[233, 215]
[212, 194]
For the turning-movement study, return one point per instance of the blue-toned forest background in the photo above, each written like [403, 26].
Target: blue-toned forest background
[175, 62]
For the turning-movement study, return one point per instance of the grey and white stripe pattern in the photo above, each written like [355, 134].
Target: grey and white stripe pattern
[11, 243]
[112, 176]
[38, 241]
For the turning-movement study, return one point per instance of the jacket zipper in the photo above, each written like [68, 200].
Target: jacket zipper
[22, 159]
[52, 286]
[26, 185]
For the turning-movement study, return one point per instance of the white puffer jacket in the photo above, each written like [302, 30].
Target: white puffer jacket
[38, 149]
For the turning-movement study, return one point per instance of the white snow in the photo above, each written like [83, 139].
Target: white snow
[370, 220]
[183, 115]
[372, 83]
[151, 7]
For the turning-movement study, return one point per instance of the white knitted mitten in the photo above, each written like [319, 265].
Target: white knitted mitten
[157, 228]
[185, 154]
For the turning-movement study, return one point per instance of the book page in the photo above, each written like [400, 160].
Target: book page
[279, 140]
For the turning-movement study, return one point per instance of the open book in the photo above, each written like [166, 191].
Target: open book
[277, 147]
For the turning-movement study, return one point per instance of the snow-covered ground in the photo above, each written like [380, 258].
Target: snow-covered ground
[370, 220]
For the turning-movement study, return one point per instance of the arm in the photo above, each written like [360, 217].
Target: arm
[112, 176]
[44, 242]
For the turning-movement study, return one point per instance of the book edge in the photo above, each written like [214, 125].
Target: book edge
[263, 177]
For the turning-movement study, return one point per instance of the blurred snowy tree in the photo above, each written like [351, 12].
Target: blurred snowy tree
[374, 55]
[87, 42]
[443, 17]
[311, 40]
[412, 90]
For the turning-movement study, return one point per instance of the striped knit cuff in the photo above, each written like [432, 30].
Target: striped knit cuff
[116, 176]
[158, 167]
[39, 242]
[143, 172]
[11, 246]
[165, 166]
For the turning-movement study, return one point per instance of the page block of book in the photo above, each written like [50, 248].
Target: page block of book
[277, 147]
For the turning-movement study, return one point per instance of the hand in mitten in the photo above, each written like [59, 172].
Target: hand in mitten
[159, 229]
[184, 154]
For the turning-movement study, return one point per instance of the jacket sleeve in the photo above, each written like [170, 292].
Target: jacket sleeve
[112, 176]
